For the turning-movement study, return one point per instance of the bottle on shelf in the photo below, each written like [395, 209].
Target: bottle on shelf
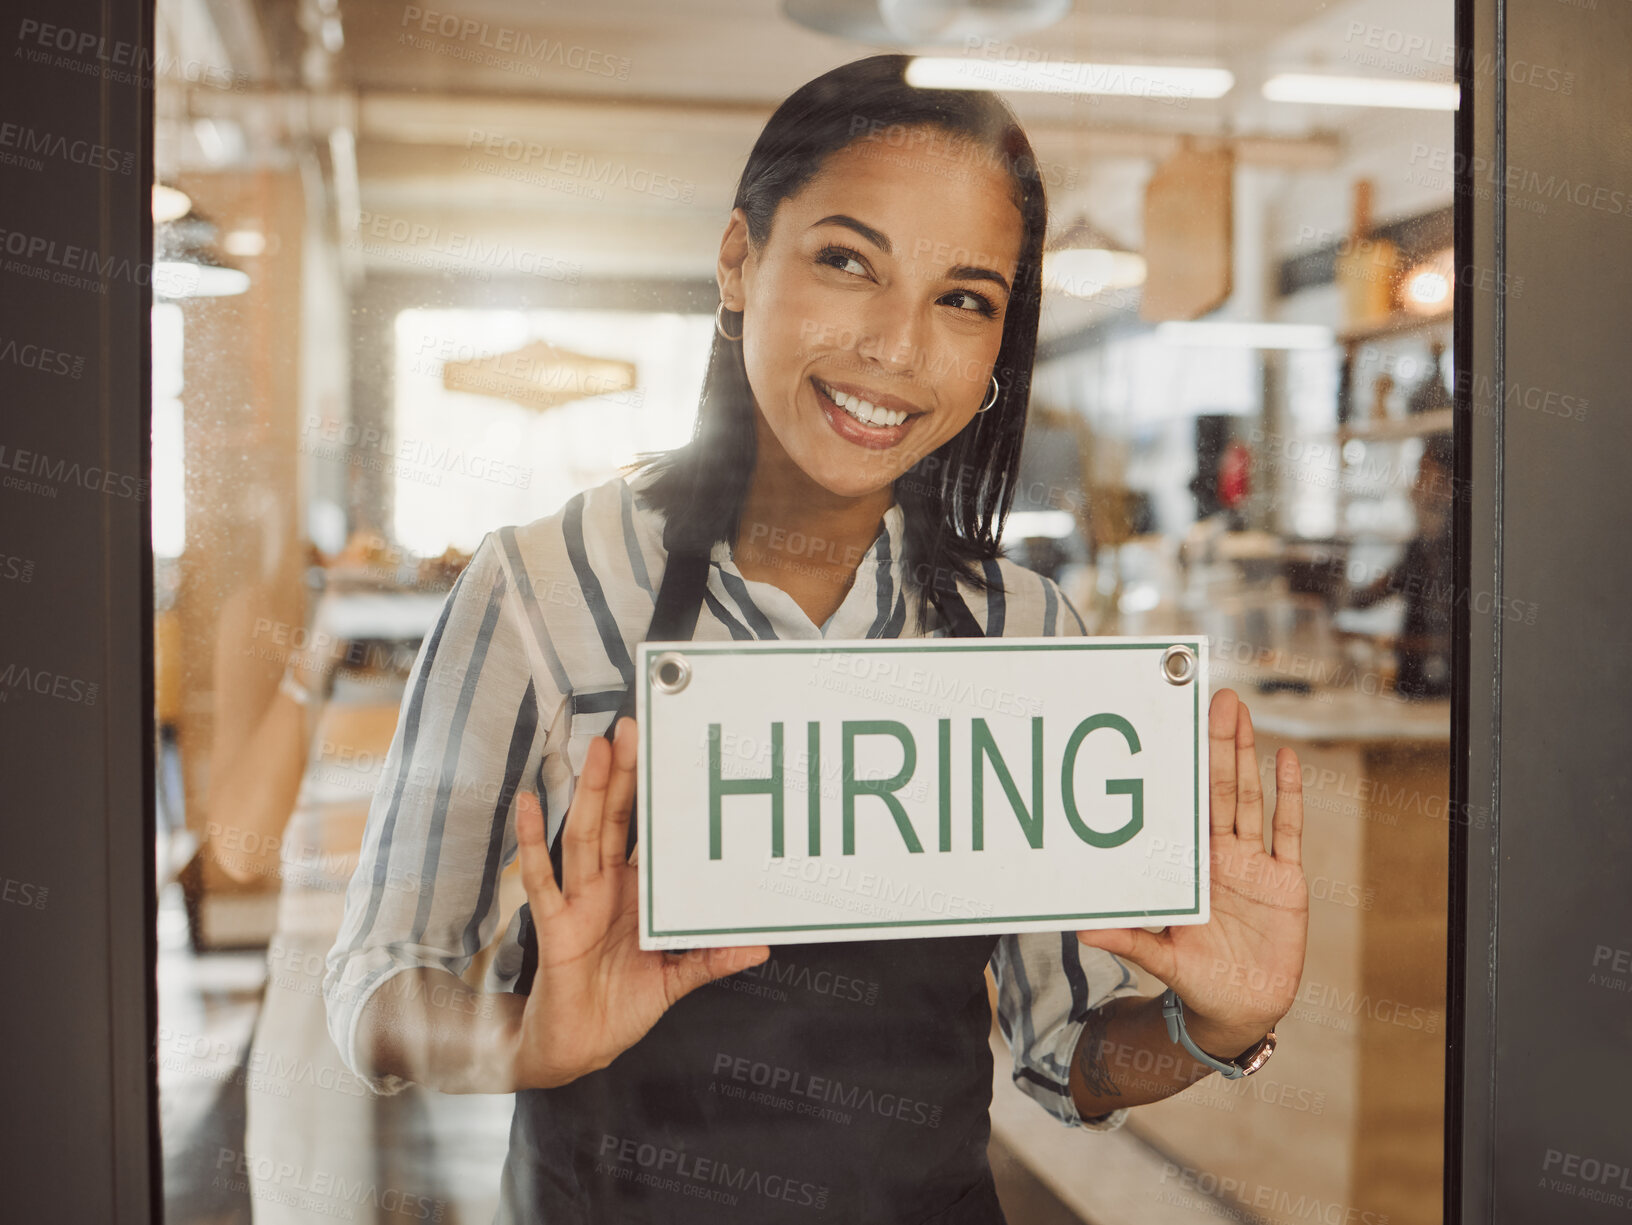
[1380, 391]
[1431, 394]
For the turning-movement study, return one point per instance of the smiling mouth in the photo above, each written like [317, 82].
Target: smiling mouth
[864, 411]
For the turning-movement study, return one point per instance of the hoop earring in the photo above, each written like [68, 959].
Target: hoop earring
[991, 399]
[719, 323]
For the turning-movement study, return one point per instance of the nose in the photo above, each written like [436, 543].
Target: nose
[894, 333]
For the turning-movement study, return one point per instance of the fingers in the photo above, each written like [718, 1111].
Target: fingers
[537, 876]
[1146, 950]
[1249, 786]
[692, 969]
[620, 794]
[1221, 764]
[1288, 828]
[581, 839]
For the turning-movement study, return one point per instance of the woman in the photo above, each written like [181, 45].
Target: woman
[855, 454]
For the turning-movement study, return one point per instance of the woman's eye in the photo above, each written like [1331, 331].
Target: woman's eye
[843, 260]
[969, 300]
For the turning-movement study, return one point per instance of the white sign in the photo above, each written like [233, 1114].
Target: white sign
[802, 792]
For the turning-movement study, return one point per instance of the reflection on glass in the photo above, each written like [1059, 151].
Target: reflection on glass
[459, 232]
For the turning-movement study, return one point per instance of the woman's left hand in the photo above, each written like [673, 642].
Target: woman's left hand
[1238, 973]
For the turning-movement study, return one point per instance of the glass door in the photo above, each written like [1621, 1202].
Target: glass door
[441, 271]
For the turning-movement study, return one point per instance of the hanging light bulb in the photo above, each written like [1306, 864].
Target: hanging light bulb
[169, 203]
[185, 264]
[1084, 262]
[1430, 284]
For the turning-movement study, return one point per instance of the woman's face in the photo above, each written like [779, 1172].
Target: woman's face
[873, 312]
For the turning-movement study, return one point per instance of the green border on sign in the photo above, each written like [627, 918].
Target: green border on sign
[646, 805]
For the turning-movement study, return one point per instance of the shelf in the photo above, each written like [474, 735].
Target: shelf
[1397, 324]
[1395, 429]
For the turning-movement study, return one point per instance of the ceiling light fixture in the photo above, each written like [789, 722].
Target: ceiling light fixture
[1162, 82]
[1322, 90]
[185, 264]
[925, 23]
[1084, 262]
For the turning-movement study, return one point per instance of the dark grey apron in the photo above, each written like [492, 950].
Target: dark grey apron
[840, 1082]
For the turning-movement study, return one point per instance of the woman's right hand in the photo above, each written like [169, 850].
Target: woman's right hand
[596, 992]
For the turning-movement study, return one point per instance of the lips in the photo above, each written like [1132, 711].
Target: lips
[861, 408]
[880, 428]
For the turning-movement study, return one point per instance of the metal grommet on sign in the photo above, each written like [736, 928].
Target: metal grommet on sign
[671, 672]
[1178, 665]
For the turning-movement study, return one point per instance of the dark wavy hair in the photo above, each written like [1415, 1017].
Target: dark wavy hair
[954, 500]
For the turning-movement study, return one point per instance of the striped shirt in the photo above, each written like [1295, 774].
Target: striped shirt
[526, 666]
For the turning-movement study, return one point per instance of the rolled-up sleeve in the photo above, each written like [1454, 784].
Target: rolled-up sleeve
[1047, 985]
[441, 825]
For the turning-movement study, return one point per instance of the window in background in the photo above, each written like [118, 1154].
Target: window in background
[466, 461]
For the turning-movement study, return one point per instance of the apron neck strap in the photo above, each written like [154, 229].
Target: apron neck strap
[679, 598]
[960, 622]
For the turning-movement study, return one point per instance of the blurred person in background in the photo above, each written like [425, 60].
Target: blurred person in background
[276, 657]
[1424, 578]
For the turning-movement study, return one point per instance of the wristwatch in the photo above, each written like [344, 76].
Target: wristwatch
[1244, 1064]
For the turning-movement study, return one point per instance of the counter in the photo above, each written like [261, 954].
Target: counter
[1348, 1115]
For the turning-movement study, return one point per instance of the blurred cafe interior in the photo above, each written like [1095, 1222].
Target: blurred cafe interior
[431, 272]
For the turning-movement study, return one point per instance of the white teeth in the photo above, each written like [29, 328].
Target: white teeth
[864, 410]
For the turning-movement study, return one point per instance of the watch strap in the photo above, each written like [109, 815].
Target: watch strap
[1243, 1065]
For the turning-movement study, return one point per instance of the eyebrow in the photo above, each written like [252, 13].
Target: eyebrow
[961, 272]
[966, 272]
[866, 231]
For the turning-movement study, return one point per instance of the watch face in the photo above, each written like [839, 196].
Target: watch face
[1258, 1056]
